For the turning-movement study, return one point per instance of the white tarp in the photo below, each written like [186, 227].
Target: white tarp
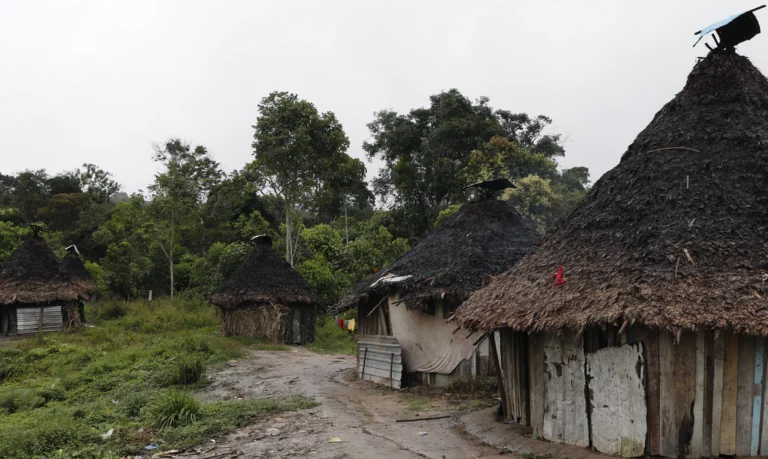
[426, 340]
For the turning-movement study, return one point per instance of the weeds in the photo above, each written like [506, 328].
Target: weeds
[174, 409]
[61, 393]
[473, 387]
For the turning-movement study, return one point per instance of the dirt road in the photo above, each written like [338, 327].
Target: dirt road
[359, 413]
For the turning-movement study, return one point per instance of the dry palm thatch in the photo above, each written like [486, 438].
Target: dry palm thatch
[265, 278]
[74, 270]
[265, 322]
[32, 276]
[481, 238]
[674, 237]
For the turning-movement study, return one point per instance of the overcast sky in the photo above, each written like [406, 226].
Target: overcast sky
[100, 81]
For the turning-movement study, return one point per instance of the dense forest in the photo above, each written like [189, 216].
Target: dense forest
[191, 227]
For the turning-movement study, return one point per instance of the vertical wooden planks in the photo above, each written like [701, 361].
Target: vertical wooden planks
[565, 409]
[698, 404]
[744, 397]
[685, 391]
[668, 430]
[764, 427]
[536, 366]
[729, 394]
[718, 359]
[757, 394]
[709, 376]
[652, 348]
[618, 400]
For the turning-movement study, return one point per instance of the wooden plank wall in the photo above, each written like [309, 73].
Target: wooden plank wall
[565, 405]
[711, 395]
[514, 366]
[536, 384]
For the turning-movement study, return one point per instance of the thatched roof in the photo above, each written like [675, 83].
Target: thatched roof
[265, 278]
[624, 247]
[72, 267]
[32, 275]
[481, 238]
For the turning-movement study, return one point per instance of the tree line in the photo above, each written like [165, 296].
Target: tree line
[190, 229]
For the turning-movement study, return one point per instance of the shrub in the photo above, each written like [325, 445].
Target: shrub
[174, 409]
[185, 369]
[332, 339]
[474, 386]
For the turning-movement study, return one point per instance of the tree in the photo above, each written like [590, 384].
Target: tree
[503, 158]
[425, 151]
[188, 177]
[536, 200]
[30, 192]
[97, 183]
[300, 154]
[11, 236]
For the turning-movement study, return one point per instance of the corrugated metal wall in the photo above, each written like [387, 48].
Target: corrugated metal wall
[28, 319]
[380, 360]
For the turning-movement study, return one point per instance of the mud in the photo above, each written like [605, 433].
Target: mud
[359, 413]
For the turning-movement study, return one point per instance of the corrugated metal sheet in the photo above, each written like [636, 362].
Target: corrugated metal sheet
[380, 360]
[28, 319]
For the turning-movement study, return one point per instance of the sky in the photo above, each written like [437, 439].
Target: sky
[102, 81]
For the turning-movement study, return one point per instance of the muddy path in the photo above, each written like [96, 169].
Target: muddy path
[359, 413]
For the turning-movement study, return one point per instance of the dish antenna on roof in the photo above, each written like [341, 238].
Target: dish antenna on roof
[72, 248]
[36, 229]
[489, 187]
[732, 31]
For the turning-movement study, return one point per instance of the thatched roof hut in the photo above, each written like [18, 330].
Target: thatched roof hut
[266, 298]
[74, 270]
[481, 238]
[265, 278]
[674, 237]
[32, 275]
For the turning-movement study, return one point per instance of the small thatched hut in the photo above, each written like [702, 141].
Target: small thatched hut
[34, 293]
[266, 298]
[655, 343]
[411, 298]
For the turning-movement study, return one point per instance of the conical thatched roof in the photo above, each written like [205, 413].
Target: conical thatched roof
[32, 275]
[72, 267]
[696, 181]
[481, 238]
[265, 278]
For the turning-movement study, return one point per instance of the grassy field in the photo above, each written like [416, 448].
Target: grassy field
[132, 374]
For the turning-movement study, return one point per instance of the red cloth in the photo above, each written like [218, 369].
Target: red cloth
[341, 323]
[558, 276]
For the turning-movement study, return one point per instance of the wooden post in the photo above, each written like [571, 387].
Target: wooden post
[717, 393]
[365, 356]
[730, 394]
[391, 365]
[653, 393]
[757, 400]
[745, 395]
[40, 326]
[149, 297]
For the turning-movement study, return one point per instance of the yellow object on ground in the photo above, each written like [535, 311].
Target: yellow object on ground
[351, 325]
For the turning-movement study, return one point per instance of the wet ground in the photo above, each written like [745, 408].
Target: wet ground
[358, 414]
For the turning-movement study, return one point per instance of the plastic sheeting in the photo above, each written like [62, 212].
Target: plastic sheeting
[427, 342]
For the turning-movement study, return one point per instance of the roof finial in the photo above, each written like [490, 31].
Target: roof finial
[732, 31]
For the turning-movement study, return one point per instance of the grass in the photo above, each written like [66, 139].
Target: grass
[133, 372]
[332, 339]
[473, 387]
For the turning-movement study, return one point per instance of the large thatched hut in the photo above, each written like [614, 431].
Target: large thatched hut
[410, 299]
[35, 295]
[266, 298]
[655, 343]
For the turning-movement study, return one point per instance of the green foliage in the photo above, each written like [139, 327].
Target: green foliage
[11, 236]
[332, 339]
[479, 387]
[211, 270]
[175, 408]
[59, 395]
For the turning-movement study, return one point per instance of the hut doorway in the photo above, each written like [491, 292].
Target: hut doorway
[5, 321]
[511, 351]
[297, 326]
